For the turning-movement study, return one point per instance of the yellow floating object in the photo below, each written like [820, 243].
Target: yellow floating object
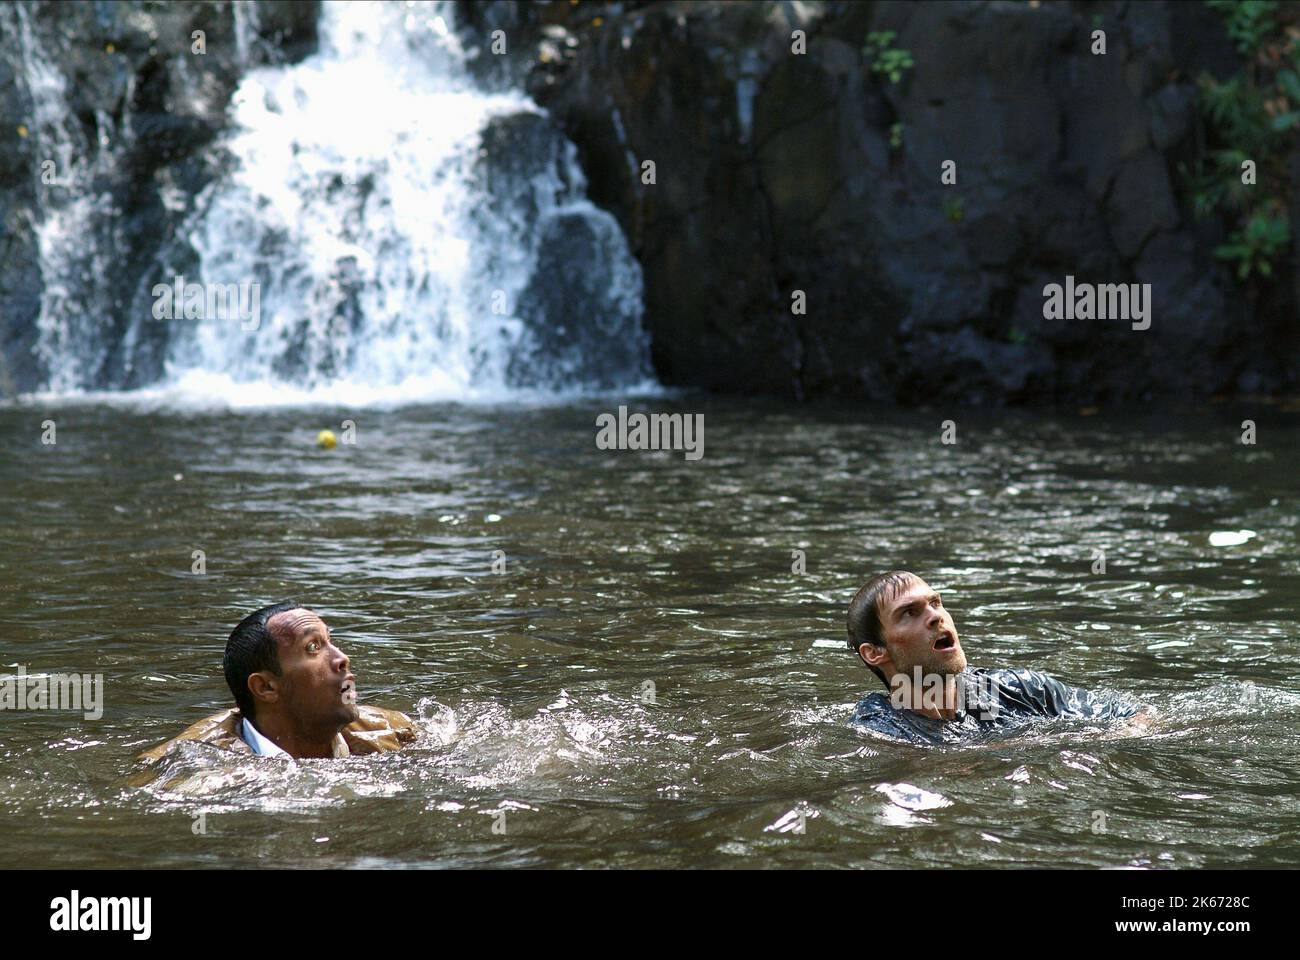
[326, 439]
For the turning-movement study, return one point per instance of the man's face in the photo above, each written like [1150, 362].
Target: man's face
[315, 685]
[918, 631]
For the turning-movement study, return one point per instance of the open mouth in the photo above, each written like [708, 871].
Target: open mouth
[349, 690]
[945, 641]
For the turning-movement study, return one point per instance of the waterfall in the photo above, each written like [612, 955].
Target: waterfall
[74, 234]
[386, 231]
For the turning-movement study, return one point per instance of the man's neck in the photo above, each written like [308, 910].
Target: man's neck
[297, 743]
[930, 702]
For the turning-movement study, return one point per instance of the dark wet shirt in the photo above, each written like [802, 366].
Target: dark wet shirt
[990, 701]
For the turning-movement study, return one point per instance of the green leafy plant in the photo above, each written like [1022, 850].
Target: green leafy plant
[1236, 110]
[1254, 247]
[1235, 115]
[885, 59]
[1289, 84]
[1250, 117]
[1249, 22]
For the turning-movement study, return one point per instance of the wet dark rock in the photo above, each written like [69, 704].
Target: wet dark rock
[569, 309]
[574, 303]
[778, 177]
[775, 173]
[138, 115]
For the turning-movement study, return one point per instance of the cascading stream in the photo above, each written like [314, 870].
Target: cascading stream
[74, 233]
[392, 234]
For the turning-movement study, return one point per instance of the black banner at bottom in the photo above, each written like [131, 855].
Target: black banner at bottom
[332, 909]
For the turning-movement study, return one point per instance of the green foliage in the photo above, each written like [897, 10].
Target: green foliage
[1253, 248]
[1218, 185]
[1289, 85]
[885, 59]
[954, 208]
[1252, 116]
[1249, 22]
[1235, 109]
[896, 135]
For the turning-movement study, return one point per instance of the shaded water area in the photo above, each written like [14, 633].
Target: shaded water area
[626, 570]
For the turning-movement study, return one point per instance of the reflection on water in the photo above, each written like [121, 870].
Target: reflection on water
[648, 683]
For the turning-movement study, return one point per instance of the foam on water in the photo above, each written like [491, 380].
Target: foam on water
[202, 390]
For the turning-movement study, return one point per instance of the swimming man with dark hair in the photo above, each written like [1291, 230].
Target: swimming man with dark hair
[295, 695]
[899, 628]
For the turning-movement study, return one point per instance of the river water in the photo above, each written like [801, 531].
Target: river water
[647, 683]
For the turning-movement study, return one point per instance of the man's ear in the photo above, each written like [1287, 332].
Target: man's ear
[264, 686]
[872, 655]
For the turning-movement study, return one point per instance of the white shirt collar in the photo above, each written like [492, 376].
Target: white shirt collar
[267, 748]
[259, 744]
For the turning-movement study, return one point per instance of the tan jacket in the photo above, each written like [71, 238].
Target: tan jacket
[378, 730]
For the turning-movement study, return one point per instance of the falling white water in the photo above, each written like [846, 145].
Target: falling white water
[385, 271]
[76, 268]
[394, 260]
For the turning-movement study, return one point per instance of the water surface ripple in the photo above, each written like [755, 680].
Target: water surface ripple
[630, 573]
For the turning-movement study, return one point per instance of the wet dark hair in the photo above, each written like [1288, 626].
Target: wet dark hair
[864, 611]
[251, 648]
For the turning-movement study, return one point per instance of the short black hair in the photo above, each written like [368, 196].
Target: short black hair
[864, 611]
[252, 648]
